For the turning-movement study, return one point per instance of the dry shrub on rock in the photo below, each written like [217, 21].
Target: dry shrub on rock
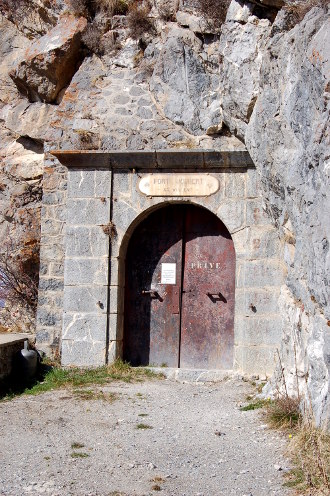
[81, 8]
[19, 276]
[297, 11]
[167, 11]
[113, 7]
[214, 11]
[92, 39]
[16, 11]
[87, 140]
[88, 9]
[139, 22]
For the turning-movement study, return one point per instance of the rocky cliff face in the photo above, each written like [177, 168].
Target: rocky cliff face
[283, 117]
[262, 82]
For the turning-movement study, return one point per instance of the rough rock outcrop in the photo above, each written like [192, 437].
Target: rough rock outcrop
[50, 62]
[275, 96]
[184, 88]
[287, 137]
[242, 44]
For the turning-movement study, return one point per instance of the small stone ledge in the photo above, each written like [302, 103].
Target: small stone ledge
[193, 375]
[7, 339]
[10, 344]
[155, 159]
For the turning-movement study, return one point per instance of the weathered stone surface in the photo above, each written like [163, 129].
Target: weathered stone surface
[261, 273]
[182, 86]
[89, 299]
[304, 357]
[50, 62]
[88, 211]
[86, 241]
[83, 353]
[243, 40]
[233, 214]
[84, 326]
[86, 271]
[257, 331]
[34, 18]
[193, 22]
[254, 302]
[256, 360]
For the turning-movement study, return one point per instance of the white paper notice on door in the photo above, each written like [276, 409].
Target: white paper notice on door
[168, 274]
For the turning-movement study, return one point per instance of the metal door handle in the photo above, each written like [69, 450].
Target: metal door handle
[150, 292]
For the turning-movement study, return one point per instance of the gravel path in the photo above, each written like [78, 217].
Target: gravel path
[200, 443]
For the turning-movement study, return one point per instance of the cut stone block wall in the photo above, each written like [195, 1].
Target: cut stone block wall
[53, 214]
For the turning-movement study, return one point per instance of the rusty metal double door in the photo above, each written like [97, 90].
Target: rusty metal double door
[179, 291]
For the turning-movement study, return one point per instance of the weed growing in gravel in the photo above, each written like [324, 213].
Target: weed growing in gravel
[77, 445]
[55, 377]
[142, 415]
[254, 405]
[77, 454]
[158, 478]
[143, 426]
[90, 394]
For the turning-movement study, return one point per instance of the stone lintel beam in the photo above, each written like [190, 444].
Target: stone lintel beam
[155, 159]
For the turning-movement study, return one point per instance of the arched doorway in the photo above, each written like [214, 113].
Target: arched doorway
[180, 290]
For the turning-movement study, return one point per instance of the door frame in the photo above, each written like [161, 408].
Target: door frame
[122, 261]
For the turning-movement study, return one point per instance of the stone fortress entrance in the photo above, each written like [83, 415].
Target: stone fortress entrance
[169, 259]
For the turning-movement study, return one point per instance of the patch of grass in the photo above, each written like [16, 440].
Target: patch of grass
[254, 405]
[260, 386]
[77, 445]
[140, 395]
[90, 394]
[310, 452]
[309, 447]
[295, 478]
[143, 426]
[156, 487]
[56, 378]
[77, 454]
[143, 415]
